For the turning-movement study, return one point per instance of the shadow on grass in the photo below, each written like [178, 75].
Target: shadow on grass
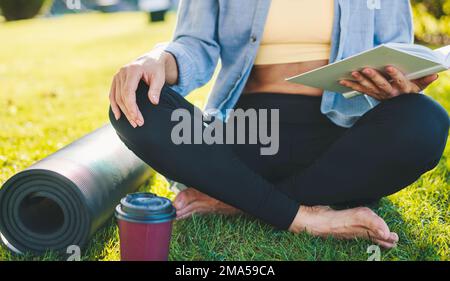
[410, 246]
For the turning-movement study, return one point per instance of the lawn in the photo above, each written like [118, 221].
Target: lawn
[54, 82]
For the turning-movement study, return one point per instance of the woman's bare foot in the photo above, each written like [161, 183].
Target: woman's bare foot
[358, 222]
[191, 201]
[319, 220]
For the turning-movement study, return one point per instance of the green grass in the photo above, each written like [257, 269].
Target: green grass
[54, 81]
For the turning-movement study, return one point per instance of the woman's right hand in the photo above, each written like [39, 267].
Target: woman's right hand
[152, 68]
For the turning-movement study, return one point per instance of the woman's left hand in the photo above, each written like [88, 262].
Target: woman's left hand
[372, 83]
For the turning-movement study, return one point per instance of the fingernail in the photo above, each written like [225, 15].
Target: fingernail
[355, 74]
[116, 116]
[155, 98]
[133, 124]
[367, 71]
[140, 122]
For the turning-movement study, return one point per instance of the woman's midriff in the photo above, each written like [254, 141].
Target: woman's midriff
[271, 78]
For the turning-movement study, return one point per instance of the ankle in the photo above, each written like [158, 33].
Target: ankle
[297, 224]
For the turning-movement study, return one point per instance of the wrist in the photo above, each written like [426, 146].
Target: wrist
[171, 68]
[164, 59]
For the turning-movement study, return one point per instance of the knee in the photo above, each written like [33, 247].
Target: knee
[423, 131]
[151, 132]
[123, 129]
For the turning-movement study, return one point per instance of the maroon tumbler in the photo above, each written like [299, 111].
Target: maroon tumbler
[145, 227]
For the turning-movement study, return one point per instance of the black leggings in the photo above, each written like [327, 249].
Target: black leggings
[318, 163]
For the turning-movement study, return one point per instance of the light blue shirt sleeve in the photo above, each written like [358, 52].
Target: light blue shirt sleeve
[194, 44]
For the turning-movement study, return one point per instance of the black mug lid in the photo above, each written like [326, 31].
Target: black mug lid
[145, 207]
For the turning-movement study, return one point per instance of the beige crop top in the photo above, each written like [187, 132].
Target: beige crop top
[297, 31]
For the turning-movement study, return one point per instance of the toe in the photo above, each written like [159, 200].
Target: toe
[180, 200]
[177, 203]
[382, 228]
[385, 244]
[195, 207]
[375, 224]
[393, 237]
[185, 197]
[183, 214]
[182, 217]
[379, 226]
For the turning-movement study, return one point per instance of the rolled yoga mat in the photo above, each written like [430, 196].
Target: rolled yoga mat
[65, 198]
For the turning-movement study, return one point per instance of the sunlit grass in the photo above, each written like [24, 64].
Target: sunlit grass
[54, 82]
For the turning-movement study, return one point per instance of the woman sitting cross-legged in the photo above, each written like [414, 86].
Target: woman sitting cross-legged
[331, 151]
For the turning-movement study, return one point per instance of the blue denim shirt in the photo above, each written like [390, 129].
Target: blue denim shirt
[230, 30]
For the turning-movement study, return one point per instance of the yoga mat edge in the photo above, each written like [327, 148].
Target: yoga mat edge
[65, 198]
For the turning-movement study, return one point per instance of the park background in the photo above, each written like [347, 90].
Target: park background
[55, 73]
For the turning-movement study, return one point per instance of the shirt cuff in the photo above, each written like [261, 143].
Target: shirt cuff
[185, 67]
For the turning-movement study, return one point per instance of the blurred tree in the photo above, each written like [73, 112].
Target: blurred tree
[20, 9]
[432, 21]
[437, 8]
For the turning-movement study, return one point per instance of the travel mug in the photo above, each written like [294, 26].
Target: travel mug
[145, 227]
